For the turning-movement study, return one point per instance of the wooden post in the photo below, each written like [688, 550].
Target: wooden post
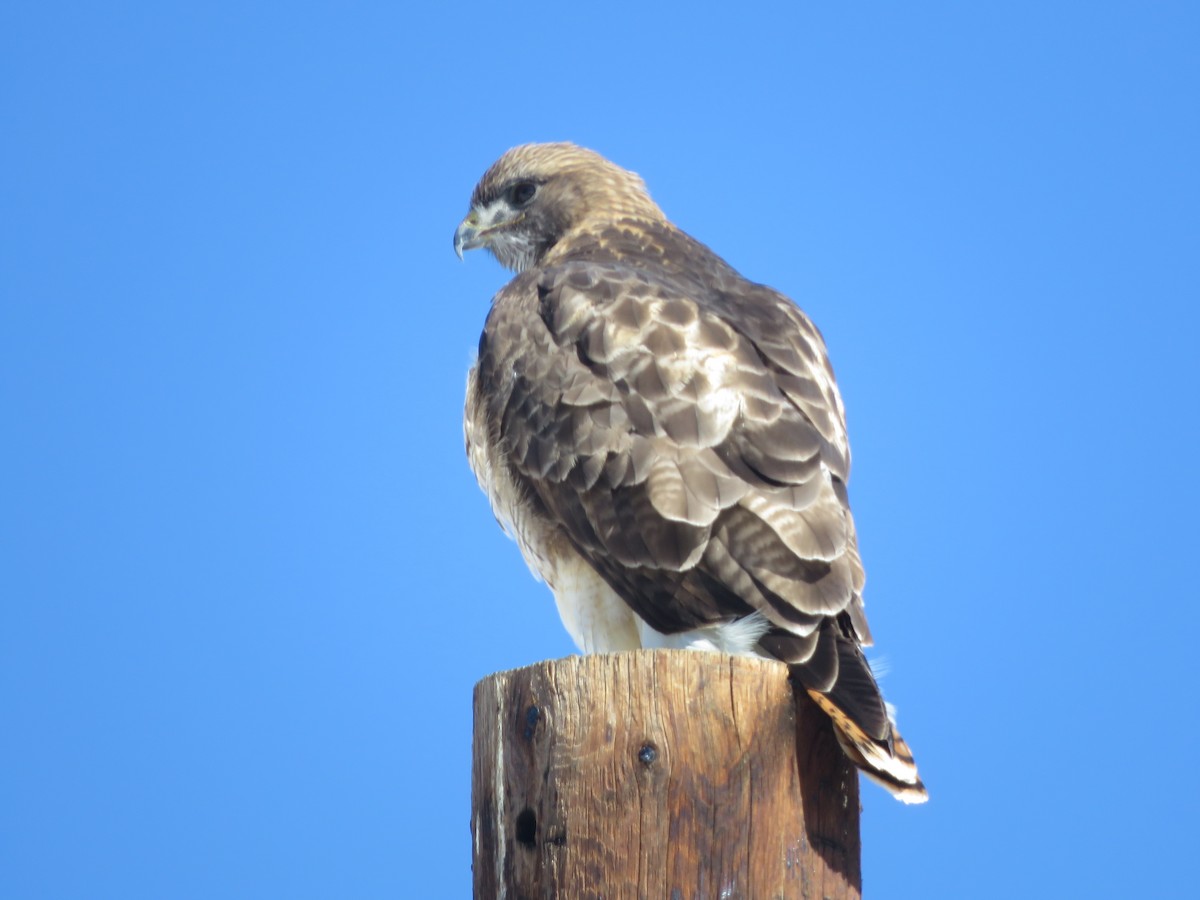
[659, 774]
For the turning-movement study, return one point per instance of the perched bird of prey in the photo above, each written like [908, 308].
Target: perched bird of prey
[665, 441]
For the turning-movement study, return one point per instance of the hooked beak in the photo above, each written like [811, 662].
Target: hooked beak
[468, 235]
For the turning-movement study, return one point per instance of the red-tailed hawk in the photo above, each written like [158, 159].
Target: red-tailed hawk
[665, 441]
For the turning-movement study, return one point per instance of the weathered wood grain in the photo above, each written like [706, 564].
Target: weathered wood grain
[662, 773]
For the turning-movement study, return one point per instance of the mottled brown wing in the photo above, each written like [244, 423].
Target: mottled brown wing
[690, 439]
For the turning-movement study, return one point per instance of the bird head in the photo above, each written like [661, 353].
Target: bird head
[536, 194]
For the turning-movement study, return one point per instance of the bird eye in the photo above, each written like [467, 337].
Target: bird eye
[522, 192]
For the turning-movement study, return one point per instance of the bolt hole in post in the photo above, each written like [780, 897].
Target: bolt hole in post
[648, 754]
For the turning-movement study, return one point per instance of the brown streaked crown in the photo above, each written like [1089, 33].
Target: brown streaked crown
[587, 182]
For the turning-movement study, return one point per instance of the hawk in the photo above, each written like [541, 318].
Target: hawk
[666, 442]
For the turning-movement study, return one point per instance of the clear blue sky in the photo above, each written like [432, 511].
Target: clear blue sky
[247, 580]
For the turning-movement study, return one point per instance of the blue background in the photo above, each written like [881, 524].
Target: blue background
[247, 579]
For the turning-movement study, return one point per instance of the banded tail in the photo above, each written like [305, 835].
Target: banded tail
[829, 665]
[888, 763]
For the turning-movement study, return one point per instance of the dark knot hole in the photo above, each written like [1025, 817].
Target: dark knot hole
[527, 827]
